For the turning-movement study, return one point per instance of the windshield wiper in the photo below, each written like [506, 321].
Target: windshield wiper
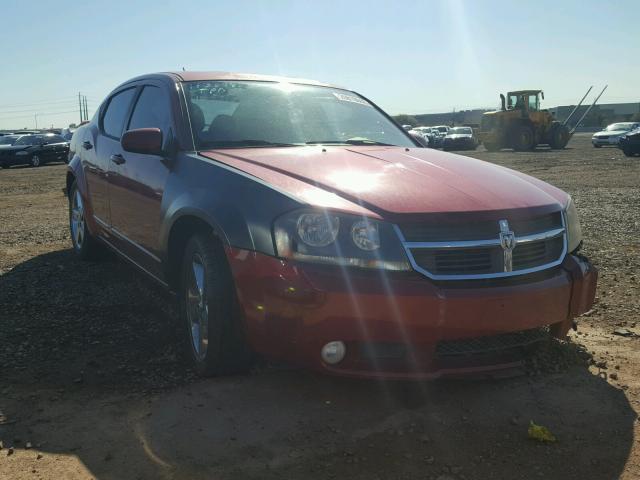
[350, 141]
[249, 143]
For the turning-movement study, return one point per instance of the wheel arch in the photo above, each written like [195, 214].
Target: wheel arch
[185, 224]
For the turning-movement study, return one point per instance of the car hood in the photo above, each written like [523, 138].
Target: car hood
[612, 133]
[391, 180]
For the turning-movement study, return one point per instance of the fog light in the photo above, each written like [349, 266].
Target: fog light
[333, 352]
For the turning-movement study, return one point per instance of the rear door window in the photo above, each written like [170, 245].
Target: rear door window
[116, 113]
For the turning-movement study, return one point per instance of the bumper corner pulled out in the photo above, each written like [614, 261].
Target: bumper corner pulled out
[400, 324]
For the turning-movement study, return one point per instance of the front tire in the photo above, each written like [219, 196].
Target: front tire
[84, 244]
[210, 311]
[522, 139]
[35, 161]
[559, 137]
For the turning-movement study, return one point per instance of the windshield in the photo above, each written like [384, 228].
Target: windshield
[619, 126]
[461, 131]
[254, 114]
[7, 140]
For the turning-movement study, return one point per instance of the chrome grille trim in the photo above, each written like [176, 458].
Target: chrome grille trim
[541, 236]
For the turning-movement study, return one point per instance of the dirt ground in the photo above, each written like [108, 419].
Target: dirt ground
[92, 384]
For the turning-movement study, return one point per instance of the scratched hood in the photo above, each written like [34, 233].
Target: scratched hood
[393, 180]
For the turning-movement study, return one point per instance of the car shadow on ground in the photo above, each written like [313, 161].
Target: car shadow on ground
[91, 370]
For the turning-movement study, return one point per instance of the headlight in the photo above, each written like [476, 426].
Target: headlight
[323, 236]
[317, 229]
[574, 232]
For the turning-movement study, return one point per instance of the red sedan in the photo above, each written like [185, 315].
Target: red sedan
[297, 220]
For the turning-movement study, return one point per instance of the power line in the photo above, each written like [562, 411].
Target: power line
[35, 110]
[44, 114]
[42, 102]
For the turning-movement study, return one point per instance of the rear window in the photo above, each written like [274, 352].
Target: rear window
[27, 140]
[7, 140]
[115, 115]
[54, 139]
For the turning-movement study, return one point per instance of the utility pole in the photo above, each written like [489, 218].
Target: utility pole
[35, 116]
[80, 105]
[86, 110]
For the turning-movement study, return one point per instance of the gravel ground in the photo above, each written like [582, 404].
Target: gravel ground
[92, 383]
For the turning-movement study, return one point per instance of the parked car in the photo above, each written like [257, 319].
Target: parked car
[421, 135]
[630, 143]
[439, 133]
[427, 134]
[33, 150]
[407, 127]
[611, 135]
[460, 138]
[296, 220]
[67, 133]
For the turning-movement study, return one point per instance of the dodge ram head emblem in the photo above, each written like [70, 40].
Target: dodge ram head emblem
[508, 243]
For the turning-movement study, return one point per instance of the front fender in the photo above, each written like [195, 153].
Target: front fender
[238, 207]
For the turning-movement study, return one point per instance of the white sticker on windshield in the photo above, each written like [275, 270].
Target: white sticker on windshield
[350, 98]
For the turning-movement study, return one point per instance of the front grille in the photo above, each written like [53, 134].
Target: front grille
[604, 137]
[469, 250]
[492, 343]
[529, 255]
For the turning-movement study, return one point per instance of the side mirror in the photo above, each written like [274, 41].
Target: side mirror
[143, 140]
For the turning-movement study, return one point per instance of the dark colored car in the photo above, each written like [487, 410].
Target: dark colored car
[630, 143]
[33, 150]
[460, 138]
[297, 220]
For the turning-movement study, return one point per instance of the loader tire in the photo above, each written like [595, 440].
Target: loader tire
[522, 139]
[559, 137]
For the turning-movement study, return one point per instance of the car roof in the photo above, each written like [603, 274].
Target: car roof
[189, 76]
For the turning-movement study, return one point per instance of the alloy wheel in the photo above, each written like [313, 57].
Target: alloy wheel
[197, 307]
[35, 161]
[77, 220]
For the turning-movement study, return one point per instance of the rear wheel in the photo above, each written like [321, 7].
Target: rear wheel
[559, 137]
[597, 146]
[84, 244]
[522, 139]
[210, 310]
[35, 161]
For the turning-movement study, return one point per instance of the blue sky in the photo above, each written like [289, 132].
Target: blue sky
[407, 56]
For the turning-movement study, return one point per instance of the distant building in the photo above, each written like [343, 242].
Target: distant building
[462, 117]
[600, 115]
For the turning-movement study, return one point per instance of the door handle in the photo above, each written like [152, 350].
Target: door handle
[87, 145]
[117, 159]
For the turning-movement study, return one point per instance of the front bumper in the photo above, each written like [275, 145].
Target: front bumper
[605, 141]
[395, 324]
